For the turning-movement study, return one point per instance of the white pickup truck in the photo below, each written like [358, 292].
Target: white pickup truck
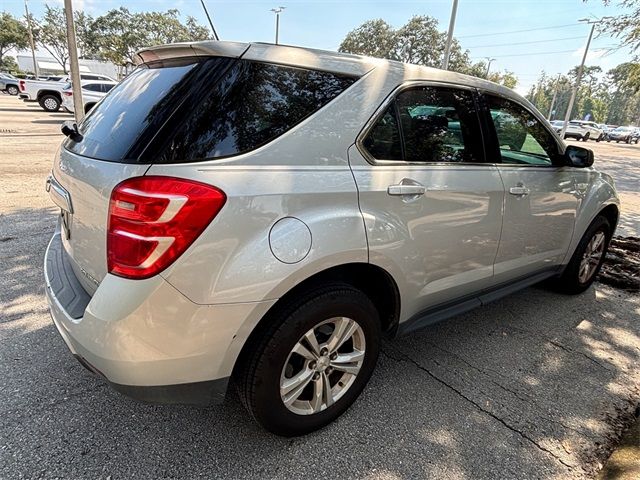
[49, 94]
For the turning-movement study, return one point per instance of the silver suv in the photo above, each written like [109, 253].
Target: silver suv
[267, 214]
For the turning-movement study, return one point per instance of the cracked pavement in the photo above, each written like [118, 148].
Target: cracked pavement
[537, 385]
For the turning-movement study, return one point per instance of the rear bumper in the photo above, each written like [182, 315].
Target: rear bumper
[147, 339]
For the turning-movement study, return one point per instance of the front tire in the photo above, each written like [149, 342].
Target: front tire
[586, 137]
[312, 361]
[12, 90]
[49, 103]
[587, 260]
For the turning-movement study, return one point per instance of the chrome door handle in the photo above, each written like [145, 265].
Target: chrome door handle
[520, 190]
[403, 189]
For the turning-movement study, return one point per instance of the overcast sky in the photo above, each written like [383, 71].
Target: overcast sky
[482, 26]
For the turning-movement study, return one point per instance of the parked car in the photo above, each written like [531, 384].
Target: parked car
[8, 83]
[92, 92]
[595, 132]
[574, 130]
[624, 134]
[49, 93]
[269, 213]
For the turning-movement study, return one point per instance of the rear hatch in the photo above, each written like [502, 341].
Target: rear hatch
[113, 148]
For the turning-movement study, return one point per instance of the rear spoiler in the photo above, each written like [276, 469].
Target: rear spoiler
[191, 49]
[264, 52]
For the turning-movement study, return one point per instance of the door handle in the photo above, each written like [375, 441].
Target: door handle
[404, 189]
[520, 190]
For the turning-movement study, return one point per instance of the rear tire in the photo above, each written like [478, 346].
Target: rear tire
[587, 259]
[12, 90]
[265, 377]
[49, 103]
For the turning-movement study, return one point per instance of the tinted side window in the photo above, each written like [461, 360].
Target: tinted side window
[521, 137]
[252, 104]
[439, 125]
[383, 140]
[106, 87]
[92, 87]
[428, 124]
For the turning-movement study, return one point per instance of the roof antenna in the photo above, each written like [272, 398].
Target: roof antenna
[213, 29]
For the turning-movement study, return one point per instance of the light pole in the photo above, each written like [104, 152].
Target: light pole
[33, 46]
[277, 11]
[76, 87]
[574, 91]
[452, 24]
[489, 60]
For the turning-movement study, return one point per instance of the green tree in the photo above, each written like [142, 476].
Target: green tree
[119, 33]
[627, 28]
[9, 64]
[51, 34]
[13, 34]
[375, 38]
[418, 41]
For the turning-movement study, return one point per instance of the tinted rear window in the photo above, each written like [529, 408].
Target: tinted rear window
[202, 109]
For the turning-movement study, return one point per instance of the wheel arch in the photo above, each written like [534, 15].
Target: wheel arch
[54, 93]
[374, 281]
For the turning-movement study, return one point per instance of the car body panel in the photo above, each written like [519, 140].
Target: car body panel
[153, 335]
[89, 183]
[537, 227]
[438, 246]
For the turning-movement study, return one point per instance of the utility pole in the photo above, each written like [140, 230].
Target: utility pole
[33, 46]
[489, 60]
[277, 11]
[213, 29]
[452, 24]
[554, 98]
[76, 86]
[574, 91]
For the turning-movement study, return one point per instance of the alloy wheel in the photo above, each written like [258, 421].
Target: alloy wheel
[322, 366]
[591, 257]
[50, 104]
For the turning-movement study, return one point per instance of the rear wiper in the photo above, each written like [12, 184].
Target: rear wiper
[70, 129]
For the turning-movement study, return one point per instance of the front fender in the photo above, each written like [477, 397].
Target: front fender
[600, 193]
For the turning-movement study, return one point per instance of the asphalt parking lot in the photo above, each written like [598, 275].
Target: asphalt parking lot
[537, 385]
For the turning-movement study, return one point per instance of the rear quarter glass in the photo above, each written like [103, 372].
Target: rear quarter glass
[201, 109]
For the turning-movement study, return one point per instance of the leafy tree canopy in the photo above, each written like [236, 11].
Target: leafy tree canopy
[418, 41]
[13, 34]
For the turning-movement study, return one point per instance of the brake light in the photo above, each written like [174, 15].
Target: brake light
[67, 93]
[153, 220]
[21, 83]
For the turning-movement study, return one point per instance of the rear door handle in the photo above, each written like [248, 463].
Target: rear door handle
[520, 190]
[404, 189]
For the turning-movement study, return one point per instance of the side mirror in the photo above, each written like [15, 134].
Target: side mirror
[578, 157]
[70, 129]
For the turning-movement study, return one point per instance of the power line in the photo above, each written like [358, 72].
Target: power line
[527, 43]
[519, 31]
[532, 53]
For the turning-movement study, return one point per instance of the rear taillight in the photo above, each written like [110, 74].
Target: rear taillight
[67, 94]
[153, 220]
[21, 83]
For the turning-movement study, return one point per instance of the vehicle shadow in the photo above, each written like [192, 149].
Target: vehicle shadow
[535, 385]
